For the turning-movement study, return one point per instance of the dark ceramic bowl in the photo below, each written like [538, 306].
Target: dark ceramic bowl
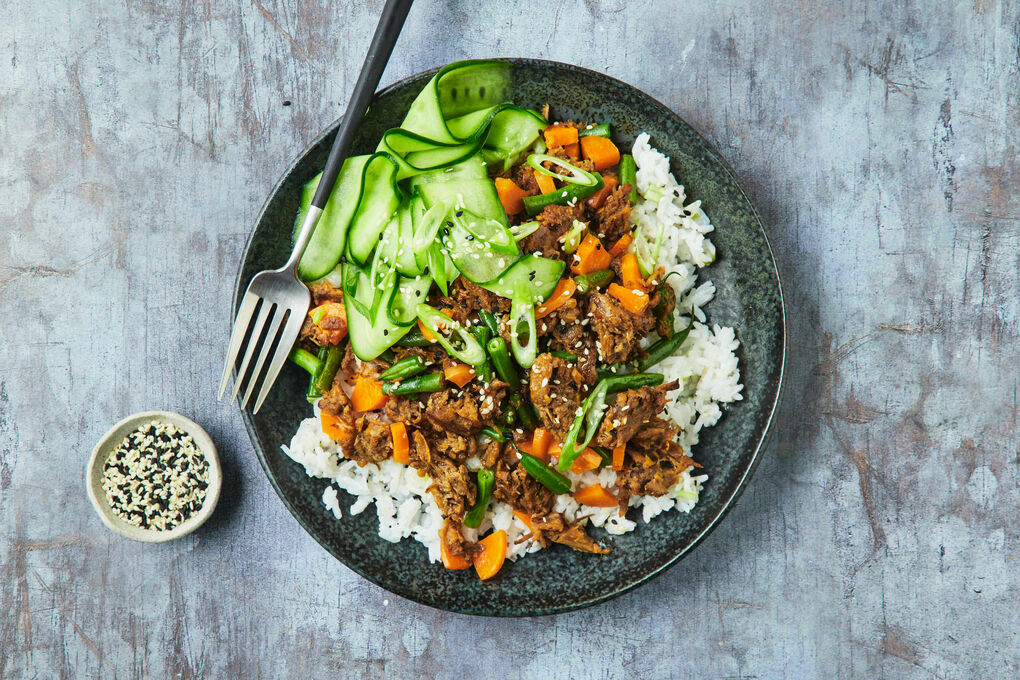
[748, 298]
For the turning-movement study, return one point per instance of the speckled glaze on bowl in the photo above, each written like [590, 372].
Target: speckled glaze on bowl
[749, 298]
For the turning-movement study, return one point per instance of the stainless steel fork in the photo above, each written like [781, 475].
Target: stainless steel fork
[279, 296]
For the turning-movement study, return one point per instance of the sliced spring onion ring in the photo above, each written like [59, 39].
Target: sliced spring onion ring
[522, 322]
[576, 176]
[590, 416]
[403, 305]
[490, 231]
[457, 340]
[572, 238]
[522, 231]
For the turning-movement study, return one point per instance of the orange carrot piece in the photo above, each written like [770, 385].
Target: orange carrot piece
[510, 195]
[573, 150]
[451, 561]
[634, 300]
[590, 256]
[618, 456]
[457, 373]
[401, 447]
[526, 520]
[334, 427]
[429, 335]
[525, 445]
[631, 272]
[598, 199]
[546, 184]
[600, 151]
[621, 246]
[490, 560]
[588, 460]
[564, 291]
[540, 443]
[368, 394]
[559, 135]
[596, 496]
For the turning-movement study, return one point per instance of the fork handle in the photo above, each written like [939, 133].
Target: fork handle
[386, 32]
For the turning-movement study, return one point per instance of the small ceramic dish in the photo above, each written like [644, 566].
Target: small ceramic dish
[113, 437]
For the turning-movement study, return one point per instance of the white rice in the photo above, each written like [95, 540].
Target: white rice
[706, 367]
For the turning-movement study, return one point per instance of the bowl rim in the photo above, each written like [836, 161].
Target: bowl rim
[763, 439]
[112, 437]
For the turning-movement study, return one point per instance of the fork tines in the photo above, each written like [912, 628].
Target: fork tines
[260, 339]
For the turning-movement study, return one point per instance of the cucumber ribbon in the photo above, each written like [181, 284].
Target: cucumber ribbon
[386, 215]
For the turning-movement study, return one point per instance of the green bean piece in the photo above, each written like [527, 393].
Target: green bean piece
[490, 321]
[545, 475]
[665, 348]
[528, 416]
[621, 383]
[305, 360]
[572, 192]
[405, 368]
[503, 363]
[611, 371]
[313, 393]
[594, 131]
[605, 454]
[432, 382]
[482, 332]
[415, 338]
[566, 356]
[324, 380]
[474, 516]
[509, 416]
[628, 175]
[484, 369]
[492, 433]
[589, 282]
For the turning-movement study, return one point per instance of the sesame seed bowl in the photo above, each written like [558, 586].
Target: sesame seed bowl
[154, 477]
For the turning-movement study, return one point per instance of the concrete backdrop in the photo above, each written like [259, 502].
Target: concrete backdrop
[878, 140]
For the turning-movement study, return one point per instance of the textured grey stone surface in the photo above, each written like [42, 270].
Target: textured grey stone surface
[879, 141]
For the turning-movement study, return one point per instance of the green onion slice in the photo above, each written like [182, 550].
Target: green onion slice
[457, 340]
[590, 417]
[576, 176]
[522, 323]
[522, 231]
